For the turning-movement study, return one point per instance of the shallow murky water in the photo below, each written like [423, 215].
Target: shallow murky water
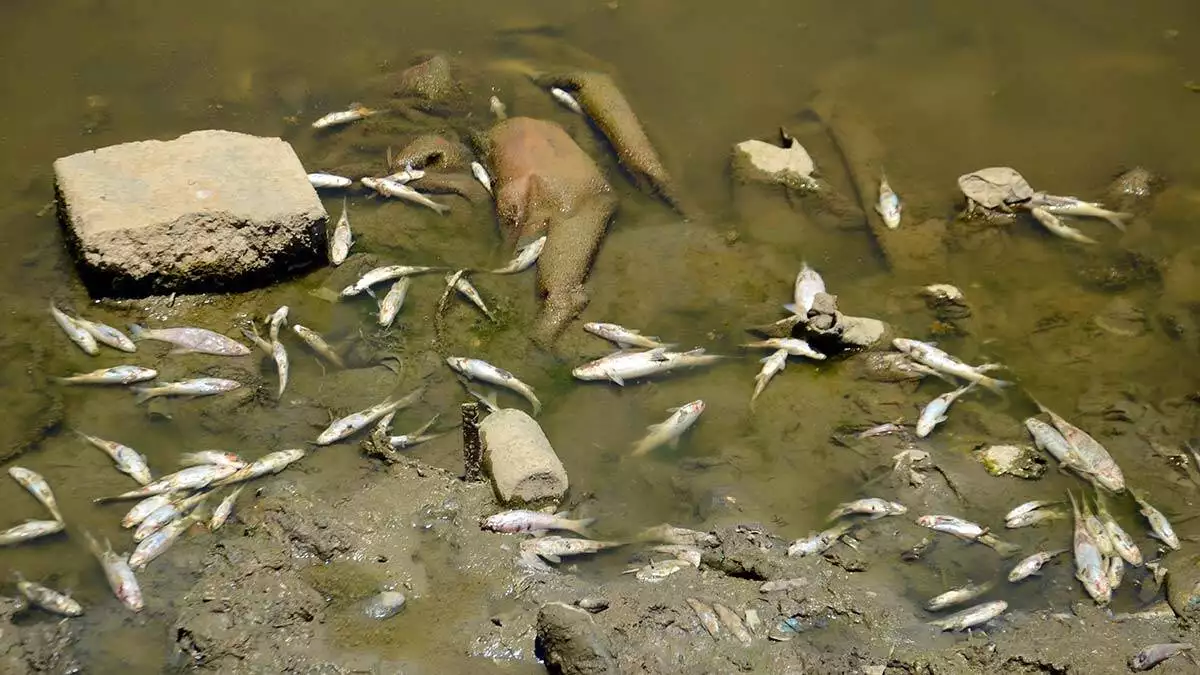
[1069, 96]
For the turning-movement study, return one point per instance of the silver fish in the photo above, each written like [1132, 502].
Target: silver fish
[1028, 507]
[201, 386]
[114, 375]
[499, 110]
[536, 523]
[689, 554]
[1115, 571]
[935, 411]
[1033, 564]
[342, 239]
[1155, 654]
[658, 570]
[224, 510]
[318, 344]
[624, 337]
[128, 460]
[554, 548]
[328, 181]
[354, 422]
[166, 514]
[192, 340]
[1094, 458]
[85, 340]
[939, 360]
[483, 371]
[144, 508]
[191, 478]
[624, 366]
[1121, 541]
[30, 529]
[819, 542]
[707, 616]
[390, 306]
[888, 207]
[416, 437]
[353, 114]
[958, 596]
[1160, 527]
[566, 99]
[669, 431]
[1099, 533]
[808, 284]
[524, 258]
[390, 188]
[872, 506]
[482, 176]
[733, 622]
[1052, 442]
[1073, 206]
[218, 457]
[793, 346]
[276, 321]
[772, 365]
[382, 274]
[257, 340]
[47, 598]
[1058, 228]
[464, 287]
[383, 428]
[273, 462]
[1089, 565]
[156, 544]
[963, 529]
[681, 536]
[120, 577]
[1037, 517]
[280, 355]
[107, 335]
[972, 616]
[38, 487]
[406, 175]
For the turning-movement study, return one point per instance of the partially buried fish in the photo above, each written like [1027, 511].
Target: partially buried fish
[808, 284]
[957, 596]
[74, 330]
[128, 460]
[38, 487]
[114, 375]
[201, 386]
[535, 522]
[623, 366]
[972, 616]
[189, 340]
[525, 257]
[355, 422]
[624, 337]
[48, 598]
[1155, 654]
[483, 371]
[669, 431]
[120, 576]
[554, 548]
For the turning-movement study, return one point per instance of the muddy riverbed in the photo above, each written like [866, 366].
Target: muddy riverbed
[1106, 335]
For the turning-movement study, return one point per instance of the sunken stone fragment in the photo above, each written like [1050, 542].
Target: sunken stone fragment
[208, 211]
[524, 468]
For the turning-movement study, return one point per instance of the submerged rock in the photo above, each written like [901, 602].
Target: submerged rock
[524, 468]
[1021, 461]
[1183, 583]
[207, 211]
[759, 161]
[1132, 188]
[571, 643]
[830, 331]
[997, 187]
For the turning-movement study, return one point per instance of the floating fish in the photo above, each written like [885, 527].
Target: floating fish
[318, 344]
[1033, 564]
[354, 422]
[1160, 527]
[483, 371]
[888, 206]
[107, 335]
[1073, 206]
[128, 460]
[382, 274]
[941, 361]
[624, 366]
[192, 340]
[935, 411]
[353, 114]
[114, 375]
[566, 99]
[201, 386]
[669, 431]
[74, 330]
[524, 258]
[624, 337]
[328, 181]
[38, 487]
[391, 188]
[342, 239]
[30, 529]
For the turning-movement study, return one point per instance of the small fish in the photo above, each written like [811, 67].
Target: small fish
[1115, 571]
[658, 570]
[1029, 507]
[224, 510]
[30, 529]
[128, 460]
[156, 544]
[342, 239]
[888, 206]
[464, 287]
[1155, 654]
[382, 274]
[1160, 527]
[280, 355]
[391, 188]
[120, 577]
[483, 371]
[958, 596]
[272, 462]
[1037, 517]
[1099, 533]
[390, 306]
[328, 181]
[38, 487]
[218, 457]
[257, 340]
[1033, 564]
[733, 622]
[488, 401]
[808, 284]
[566, 99]
[536, 523]
[939, 360]
[524, 258]
[819, 542]
[1089, 565]
[353, 114]
[482, 176]
[406, 175]
[793, 346]
[114, 375]
[1073, 206]
[1121, 541]
[623, 337]
[872, 506]
[772, 365]
[499, 110]
[1058, 228]
[107, 335]
[318, 344]
[416, 437]
[47, 598]
[935, 411]
[958, 527]
[623, 366]
[276, 321]
[191, 478]
[354, 422]
[201, 386]
[192, 340]
[144, 508]
[880, 430]
[972, 616]
[167, 514]
[555, 548]
[707, 616]
[74, 330]
[680, 536]
[669, 431]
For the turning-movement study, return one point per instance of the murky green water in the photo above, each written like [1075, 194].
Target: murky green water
[1070, 95]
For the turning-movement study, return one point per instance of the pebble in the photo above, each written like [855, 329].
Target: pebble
[593, 605]
[385, 605]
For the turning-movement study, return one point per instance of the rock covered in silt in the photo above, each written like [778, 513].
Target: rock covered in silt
[210, 210]
[517, 455]
[570, 642]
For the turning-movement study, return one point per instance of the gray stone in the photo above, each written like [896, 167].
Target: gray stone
[210, 210]
[518, 456]
[1183, 582]
[861, 332]
[570, 642]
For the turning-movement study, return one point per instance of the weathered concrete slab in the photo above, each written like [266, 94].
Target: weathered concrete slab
[524, 468]
[210, 210]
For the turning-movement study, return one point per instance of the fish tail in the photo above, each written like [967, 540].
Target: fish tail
[143, 394]
[791, 308]
[137, 332]
[582, 527]
[995, 386]
[537, 405]
[1117, 219]
[442, 209]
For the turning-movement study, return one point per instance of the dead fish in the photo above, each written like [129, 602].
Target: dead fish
[971, 617]
[888, 206]
[1058, 228]
[276, 321]
[939, 360]
[879, 430]
[733, 622]
[382, 274]
[74, 330]
[1160, 527]
[935, 411]
[772, 365]
[191, 478]
[1115, 572]
[328, 181]
[464, 287]
[658, 570]
[144, 508]
[1089, 565]
[1033, 564]
[682, 536]
[669, 431]
[482, 176]
[525, 257]
[1094, 459]
[566, 99]
[47, 598]
[342, 239]
[1037, 517]
[707, 616]
[218, 457]
[957, 596]
[156, 544]
[191, 340]
[1028, 507]
[1047, 438]
[536, 523]
[318, 344]
[390, 306]
[120, 576]
[783, 585]
[38, 487]
[416, 437]
[391, 188]
[622, 366]
[355, 112]
[623, 337]
[280, 355]
[1073, 206]
[224, 510]
[384, 605]
[107, 335]
[477, 369]
[689, 554]
[871, 506]
[793, 346]
[272, 462]
[963, 529]
[166, 514]
[943, 292]
[1121, 541]
[30, 529]
[355, 422]
[554, 548]
[499, 110]
[201, 386]
[808, 284]
[114, 375]
[128, 460]
[257, 340]
[1155, 654]
[819, 542]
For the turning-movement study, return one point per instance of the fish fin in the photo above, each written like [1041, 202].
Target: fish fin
[791, 308]
[673, 443]
[181, 350]
[550, 557]
[137, 332]
[143, 394]
[698, 351]
[442, 209]
[582, 527]
[616, 378]
[1117, 219]
[995, 386]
